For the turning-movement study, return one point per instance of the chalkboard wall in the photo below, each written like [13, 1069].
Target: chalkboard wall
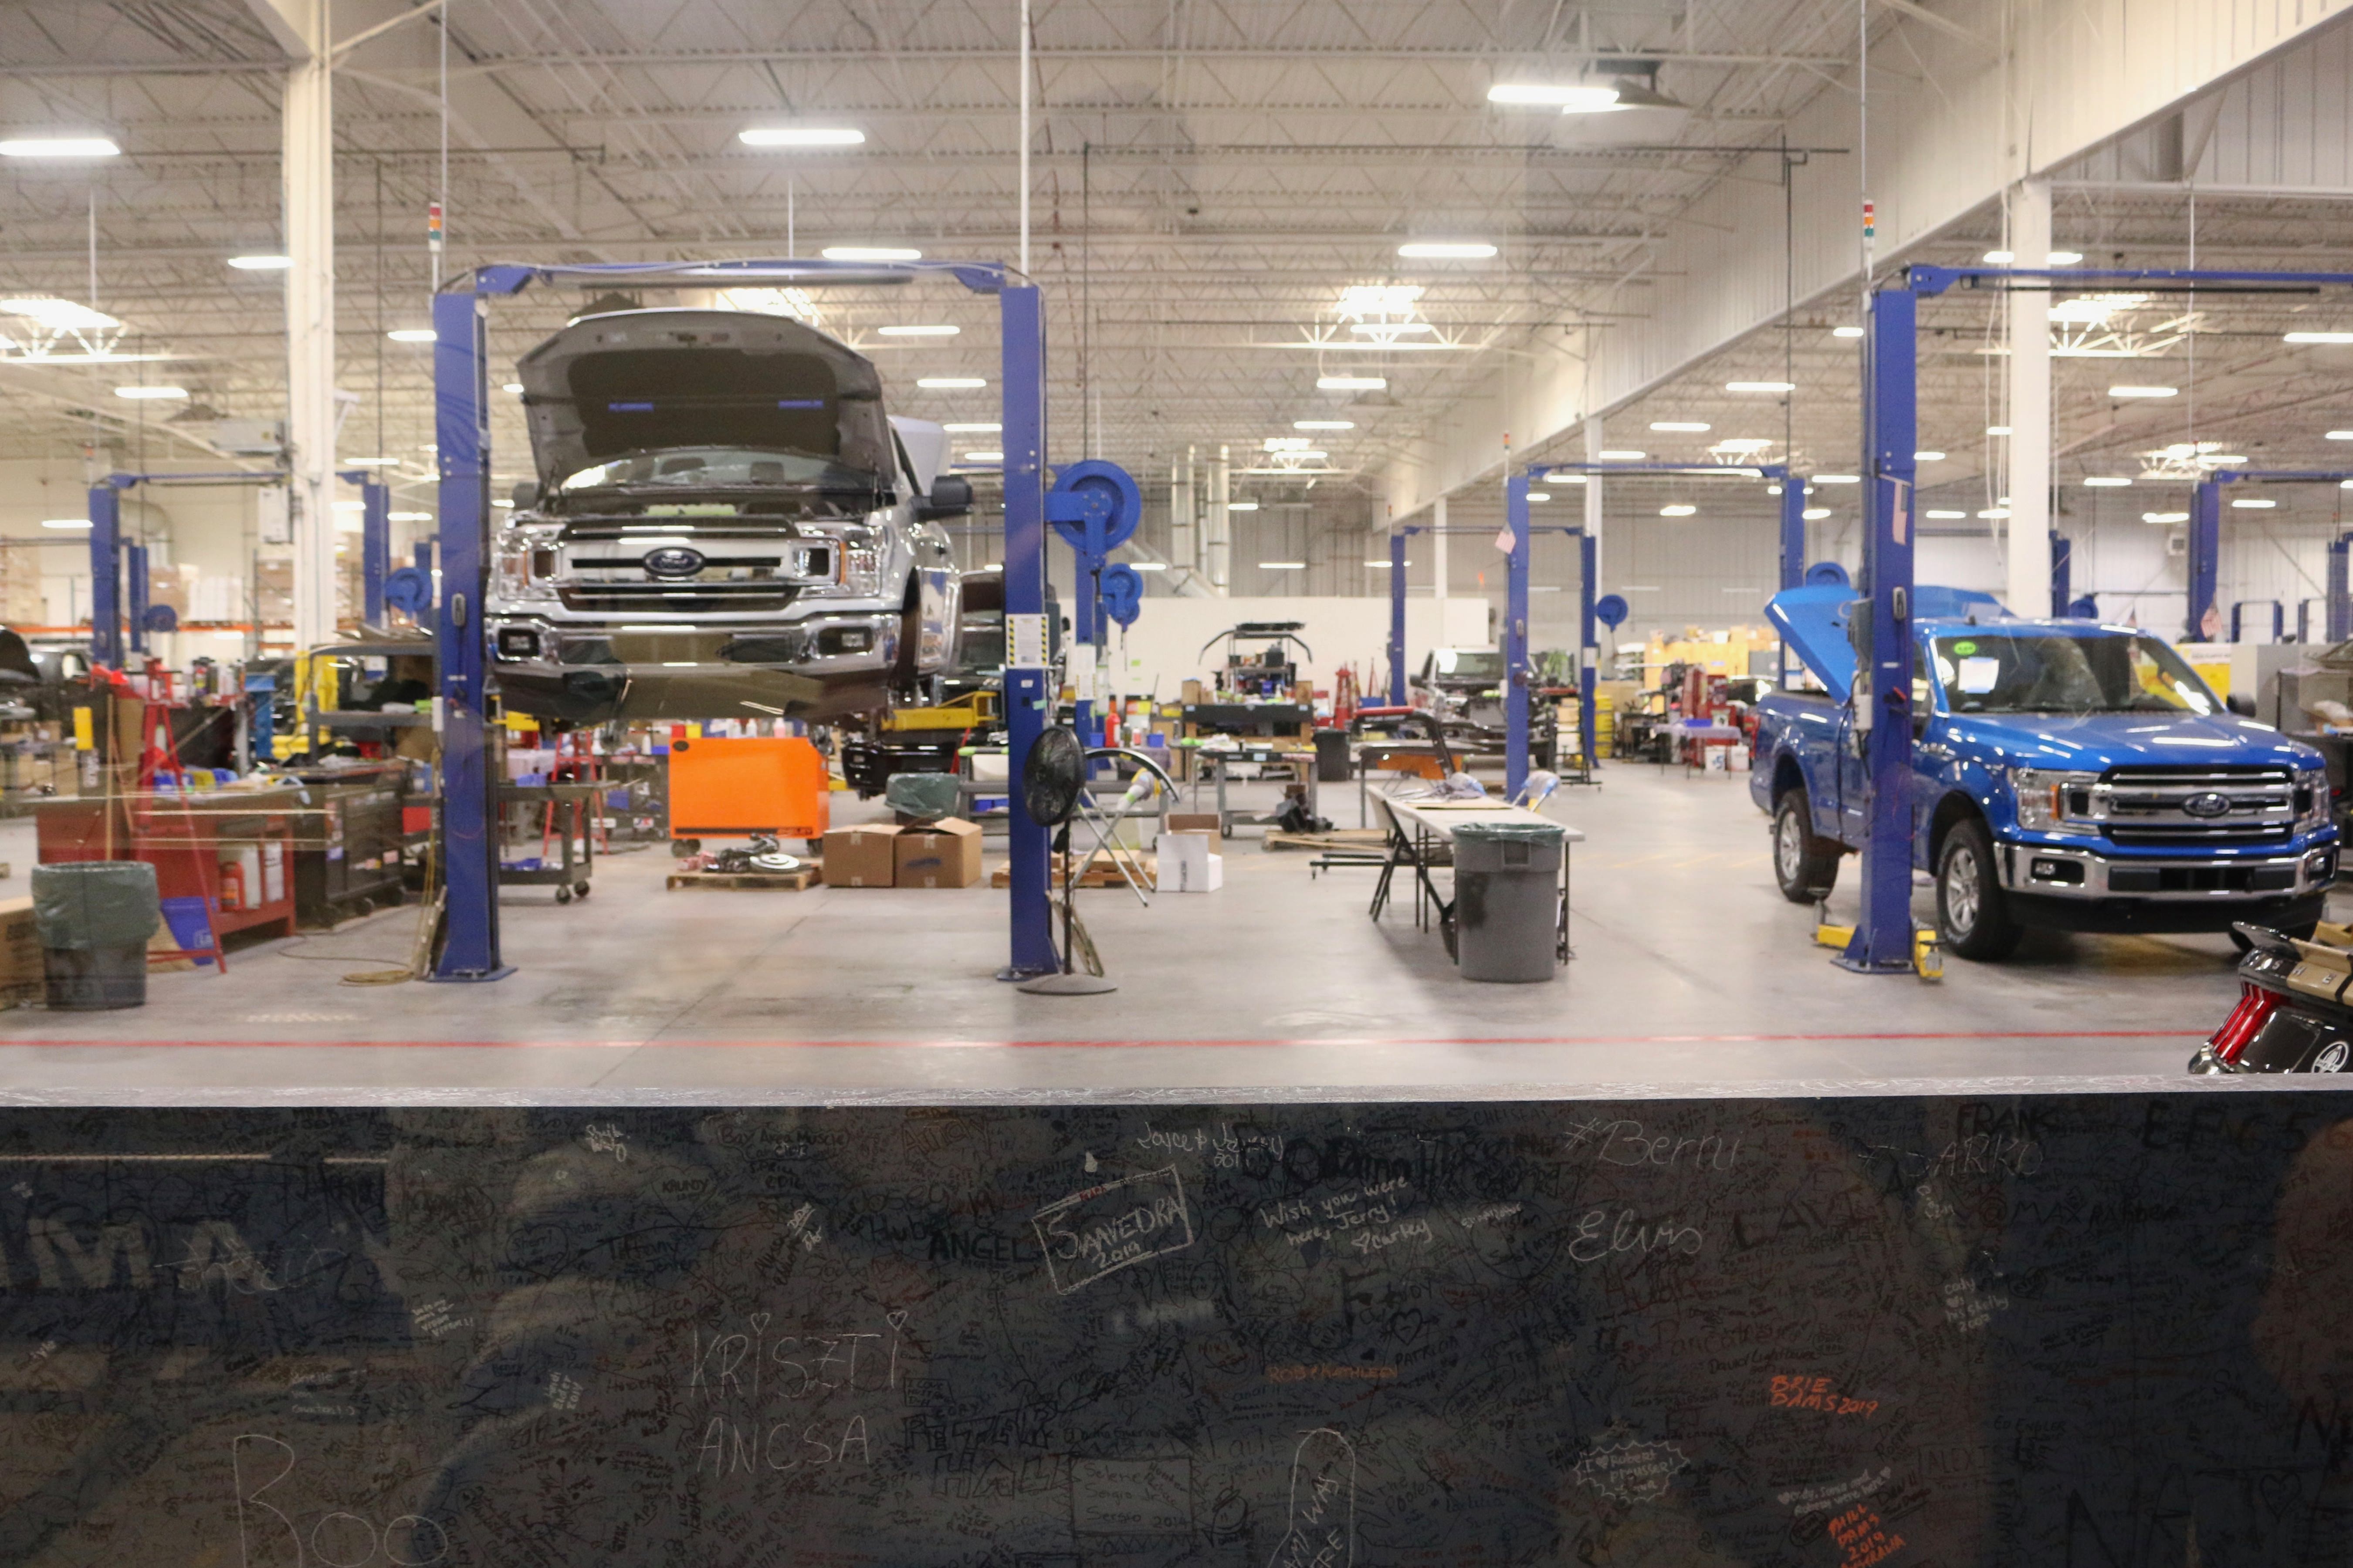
[2100, 1330]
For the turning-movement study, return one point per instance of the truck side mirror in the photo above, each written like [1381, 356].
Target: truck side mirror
[951, 496]
[2241, 704]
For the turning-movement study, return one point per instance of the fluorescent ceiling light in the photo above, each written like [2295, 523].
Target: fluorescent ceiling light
[1742, 444]
[1760, 386]
[261, 263]
[2058, 258]
[1446, 250]
[150, 393]
[1678, 427]
[979, 427]
[408, 517]
[2253, 503]
[2318, 337]
[1241, 506]
[939, 331]
[1147, 565]
[1383, 565]
[984, 456]
[2107, 481]
[800, 136]
[2143, 391]
[1282, 566]
[1837, 478]
[1995, 511]
[1539, 495]
[1944, 515]
[1351, 425]
[1623, 455]
[1928, 456]
[507, 501]
[513, 386]
[1677, 509]
[1569, 98]
[1997, 429]
[1815, 513]
[1846, 332]
[411, 334]
[1389, 329]
[1351, 383]
[59, 315]
[60, 147]
[65, 522]
[2165, 517]
[2340, 436]
[1285, 444]
[952, 382]
[870, 253]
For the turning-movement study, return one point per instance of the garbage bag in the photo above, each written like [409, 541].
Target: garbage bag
[78, 905]
[927, 796]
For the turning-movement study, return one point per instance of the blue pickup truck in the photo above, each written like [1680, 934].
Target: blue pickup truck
[2066, 775]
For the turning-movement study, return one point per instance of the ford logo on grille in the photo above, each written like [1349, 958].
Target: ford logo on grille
[673, 561]
[2207, 803]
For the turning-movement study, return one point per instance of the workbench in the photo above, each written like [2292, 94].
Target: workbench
[1217, 761]
[1422, 838]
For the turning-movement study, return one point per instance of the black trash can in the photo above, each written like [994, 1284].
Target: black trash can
[1331, 756]
[1507, 900]
[94, 917]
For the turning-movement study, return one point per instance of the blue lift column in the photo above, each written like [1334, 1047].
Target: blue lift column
[134, 564]
[469, 851]
[1028, 699]
[1589, 645]
[1396, 617]
[375, 547]
[1516, 635]
[2340, 593]
[106, 575]
[1793, 531]
[2205, 621]
[1881, 944]
[2062, 573]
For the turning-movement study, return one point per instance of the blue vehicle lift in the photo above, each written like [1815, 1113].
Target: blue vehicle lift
[111, 562]
[1883, 938]
[1515, 600]
[461, 399]
[2206, 550]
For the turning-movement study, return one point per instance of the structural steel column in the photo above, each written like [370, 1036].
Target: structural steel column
[1515, 634]
[1184, 543]
[1437, 565]
[1593, 445]
[1882, 692]
[1030, 692]
[1220, 524]
[308, 162]
[2030, 405]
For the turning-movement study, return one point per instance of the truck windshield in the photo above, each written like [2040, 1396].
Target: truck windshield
[1462, 664]
[2107, 672]
[720, 466]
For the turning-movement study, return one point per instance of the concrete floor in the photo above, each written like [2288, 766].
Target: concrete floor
[1691, 971]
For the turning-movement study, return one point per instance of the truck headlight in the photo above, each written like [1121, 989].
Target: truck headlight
[2053, 801]
[2314, 806]
[858, 552]
[525, 564]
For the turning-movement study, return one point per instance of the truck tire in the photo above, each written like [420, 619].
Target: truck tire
[1973, 914]
[1806, 867]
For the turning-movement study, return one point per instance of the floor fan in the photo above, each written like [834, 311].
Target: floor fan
[1051, 779]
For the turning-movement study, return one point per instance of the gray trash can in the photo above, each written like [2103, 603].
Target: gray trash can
[94, 917]
[1332, 756]
[1507, 900]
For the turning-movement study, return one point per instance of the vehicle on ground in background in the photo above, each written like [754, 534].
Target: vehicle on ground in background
[2066, 774]
[726, 524]
[2292, 1015]
[1465, 688]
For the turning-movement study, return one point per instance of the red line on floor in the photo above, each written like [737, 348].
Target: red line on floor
[1108, 1045]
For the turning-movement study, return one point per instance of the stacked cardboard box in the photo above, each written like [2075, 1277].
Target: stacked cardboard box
[21, 973]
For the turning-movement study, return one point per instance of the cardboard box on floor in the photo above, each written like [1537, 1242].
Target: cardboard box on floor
[1195, 821]
[1187, 864]
[861, 856]
[21, 968]
[943, 854]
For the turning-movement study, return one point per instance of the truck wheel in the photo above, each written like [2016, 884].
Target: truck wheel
[1972, 915]
[1805, 867]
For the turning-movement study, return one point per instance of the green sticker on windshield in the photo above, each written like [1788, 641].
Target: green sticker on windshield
[1965, 648]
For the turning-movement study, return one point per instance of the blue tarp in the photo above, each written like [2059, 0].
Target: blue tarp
[1814, 622]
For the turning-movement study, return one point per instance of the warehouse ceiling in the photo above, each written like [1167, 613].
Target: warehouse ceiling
[1210, 182]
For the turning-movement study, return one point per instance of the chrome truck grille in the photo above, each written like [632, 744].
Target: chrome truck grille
[2190, 806]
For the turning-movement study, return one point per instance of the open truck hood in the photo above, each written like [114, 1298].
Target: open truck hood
[1814, 622]
[644, 381]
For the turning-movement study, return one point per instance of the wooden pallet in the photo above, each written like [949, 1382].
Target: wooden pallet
[1338, 838]
[749, 881]
[1102, 874]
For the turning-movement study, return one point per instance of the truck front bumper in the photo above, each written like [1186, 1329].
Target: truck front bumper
[2081, 889]
[818, 666]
